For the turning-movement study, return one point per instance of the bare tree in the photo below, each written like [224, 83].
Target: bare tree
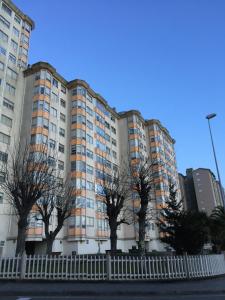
[28, 177]
[141, 183]
[116, 190]
[57, 203]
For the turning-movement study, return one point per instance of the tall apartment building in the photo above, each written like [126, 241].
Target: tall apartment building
[200, 190]
[42, 107]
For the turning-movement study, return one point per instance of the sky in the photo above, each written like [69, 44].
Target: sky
[165, 58]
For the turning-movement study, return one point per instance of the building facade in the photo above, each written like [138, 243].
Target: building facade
[86, 137]
[200, 190]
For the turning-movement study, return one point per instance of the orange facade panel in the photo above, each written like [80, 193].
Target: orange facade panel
[78, 212]
[79, 97]
[78, 111]
[75, 157]
[41, 97]
[42, 82]
[78, 142]
[76, 231]
[35, 231]
[98, 111]
[78, 174]
[39, 148]
[78, 126]
[40, 113]
[41, 130]
[99, 152]
[79, 193]
[133, 136]
[103, 234]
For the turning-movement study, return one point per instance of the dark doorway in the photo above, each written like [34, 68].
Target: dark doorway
[30, 248]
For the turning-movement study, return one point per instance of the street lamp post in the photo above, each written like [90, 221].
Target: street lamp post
[209, 117]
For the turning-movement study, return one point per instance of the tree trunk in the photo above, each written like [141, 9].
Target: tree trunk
[49, 246]
[20, 245]
[113, 237]
[141, 241]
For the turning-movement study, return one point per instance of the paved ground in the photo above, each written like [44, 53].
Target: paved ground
[178, 297]
[184, 290]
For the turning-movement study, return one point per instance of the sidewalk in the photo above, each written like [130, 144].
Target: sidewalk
[132, 288]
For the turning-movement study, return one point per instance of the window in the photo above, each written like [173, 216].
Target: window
[114, 142]
[9, 104]
[17, 19]
[6, 121]
[78, 133]
[62, 102]
[52, 127]
[90, 186]
[25, 40]
[89, 139]
[14, 45]
[3, 156]
[4, 22]
[89, 125]
[52, 144]
[2, 177]
[61, 132]
[89, 153]
[23, 51]
[107, 125]
[62, 117]
[38, 139]
[78, 149]
[2, 51]
[53, 112]
[3, 36]
[54, 82]
[4, 138]
[90, 221]
[40, 122]
[2, 66]
[79, 91]
[89, 98]
[113, 129]
[27, 27]
[51, 161]
[78, 104]
[107, 137]
[6, 9]
[78, 119]
[114, 154]
[12, 58]
[63, 89]
[60, 165]
[89, 111]
[78, 165]
[1, 197]
[90, 169]
[41, 105]
[55, 98]
[61, 148]
[12, 74]
[16, 31]
[10, 89]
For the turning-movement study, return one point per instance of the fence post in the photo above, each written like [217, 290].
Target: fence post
[186, 265]
[108, 266]
[23, 261]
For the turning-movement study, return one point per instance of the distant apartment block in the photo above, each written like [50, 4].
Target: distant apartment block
[200, 190]
[40, 106]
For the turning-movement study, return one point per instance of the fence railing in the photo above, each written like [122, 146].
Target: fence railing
[105, 267]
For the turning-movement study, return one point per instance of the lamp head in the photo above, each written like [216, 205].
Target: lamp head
[210, 116]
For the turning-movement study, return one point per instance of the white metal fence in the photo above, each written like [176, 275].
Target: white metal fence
[104, 267]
